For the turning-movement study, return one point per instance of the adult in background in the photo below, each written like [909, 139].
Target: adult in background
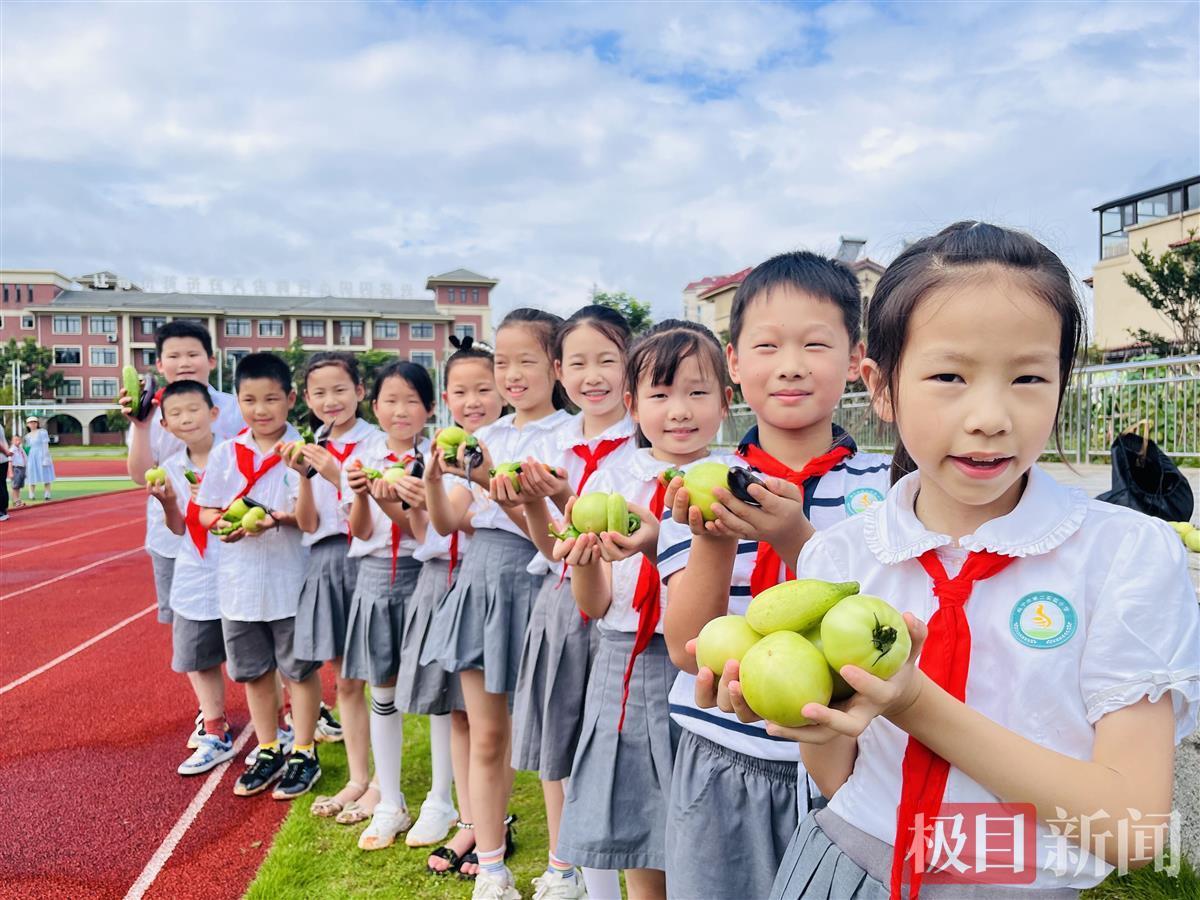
[39, 467]
[4, 457]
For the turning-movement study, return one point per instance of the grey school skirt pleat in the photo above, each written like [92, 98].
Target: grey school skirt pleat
[615, 814]
[480, 622]
[427, 690]
[375, 625]
[551, 683]
[325, 598]
[830, 859]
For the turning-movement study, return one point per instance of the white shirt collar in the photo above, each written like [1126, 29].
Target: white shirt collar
[1046, 515]
[359, 431]
[572, 436]
[247, 438]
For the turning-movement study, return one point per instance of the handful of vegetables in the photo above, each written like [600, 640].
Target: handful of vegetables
[513, 471]
[599, 512]
[140, 390]
[243, 513]
[701, 480]
[412, 464]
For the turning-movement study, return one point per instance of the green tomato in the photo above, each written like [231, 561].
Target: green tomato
[1191, 540]
[156, 475]
[394, 473]
[237, 509]
[866, 632]
[448, 440]
[722, 639]
[700, 481]
[841, 688]
[781, 674]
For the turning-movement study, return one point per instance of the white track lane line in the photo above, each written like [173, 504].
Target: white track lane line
[73, 537]
[66, 575]
[14, 527]
[175, 835]
[64, 657]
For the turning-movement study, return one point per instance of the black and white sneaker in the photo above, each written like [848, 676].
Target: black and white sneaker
[302, 772]
[329, 729]
[268, 766]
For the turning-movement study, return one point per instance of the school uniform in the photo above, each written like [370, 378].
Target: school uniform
[615, 813]
[387, 577]
[480, 623]
[160, 543]
[724, 764]
[332, 573]
[258, 577]
[556, 656]
[197, 642]
[1095, 612]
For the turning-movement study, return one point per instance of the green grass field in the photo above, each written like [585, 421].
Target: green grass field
[64, 489]
[88, 452]
[318, 858]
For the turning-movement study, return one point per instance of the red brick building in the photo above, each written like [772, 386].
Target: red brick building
[97, 323]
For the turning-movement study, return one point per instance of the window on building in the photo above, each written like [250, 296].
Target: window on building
[70, 388]
[1193, 196]
[270, 328]
[102, 324]
[449, 295]
[68, 356]
[6, 293]
[474, 295]
[27, 323]
[312, 328]
[237, 328]
[102, 356]
[236, 356]
[151, 324]
[102, 388]
[387, 331]
[1150, 208]
[421, 331]
[149, 357]
[29, 292]
[422, 357]
[67, 325]
[351, 328]
[464, 331]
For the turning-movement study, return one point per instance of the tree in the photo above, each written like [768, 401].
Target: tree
[636, 313]
[36, 364]
[1171, 286]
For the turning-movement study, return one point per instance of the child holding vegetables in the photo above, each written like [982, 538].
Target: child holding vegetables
[615, 812]
[1055, 653]
[794, 345]
[479, 627]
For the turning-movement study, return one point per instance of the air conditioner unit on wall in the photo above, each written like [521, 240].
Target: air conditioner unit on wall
[112, 338]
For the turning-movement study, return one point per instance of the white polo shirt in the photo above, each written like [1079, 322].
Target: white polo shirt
[331, 512]
[194, 582]
[260, 576]
[1117, 621]
[374, 453]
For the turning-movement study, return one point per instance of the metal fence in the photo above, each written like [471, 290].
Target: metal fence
[1160, 397]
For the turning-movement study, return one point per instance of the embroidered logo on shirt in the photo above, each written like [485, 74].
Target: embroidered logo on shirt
[1043, 620]
[861, 499]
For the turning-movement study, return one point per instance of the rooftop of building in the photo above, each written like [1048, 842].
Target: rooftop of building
[253, 304]
[460, 276]
[1149, 192]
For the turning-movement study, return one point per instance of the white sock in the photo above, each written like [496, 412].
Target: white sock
[387, 744]
[602, 884]
[439, 757]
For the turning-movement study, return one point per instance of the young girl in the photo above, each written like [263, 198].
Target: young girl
[333, 391]
[1057, 637]
[388, 524]
[589, 360]
[616, 799]
[430, 690]
[479, 627]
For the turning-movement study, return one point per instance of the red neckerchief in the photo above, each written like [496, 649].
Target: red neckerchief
[245, 464]
[945, 658]
[396, 532]
[340, 456]
[453, 558]
[592, 458]
[191, 518]
[767, 563]
[646, 601]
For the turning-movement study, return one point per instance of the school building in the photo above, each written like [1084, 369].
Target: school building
[97, 323]
[709, 300]
[1160, 217]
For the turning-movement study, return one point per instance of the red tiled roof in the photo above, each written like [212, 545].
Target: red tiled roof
[1190, 239]
[725, 281]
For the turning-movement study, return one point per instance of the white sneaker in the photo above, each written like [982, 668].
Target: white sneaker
[386, 823]
[193, 740]
[211, 753]
[433, 824]
[552, 886]
[286, 738]
[489, 887]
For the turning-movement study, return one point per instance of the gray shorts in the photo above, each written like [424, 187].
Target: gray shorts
[18, 478]
[196, 644]
[252, 649]
[164, 569]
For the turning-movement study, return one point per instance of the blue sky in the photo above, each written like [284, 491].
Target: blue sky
[631, 146]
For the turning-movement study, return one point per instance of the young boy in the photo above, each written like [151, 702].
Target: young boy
[185, 352]
[794, 345]
[198, 648]
[259, 577]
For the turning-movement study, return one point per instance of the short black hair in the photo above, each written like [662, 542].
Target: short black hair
[182, 328]
[186, 386]
[820, 276]
[263, 365]
[414, 374]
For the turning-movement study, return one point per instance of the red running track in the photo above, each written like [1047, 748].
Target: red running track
[88, 790]
[89, 468]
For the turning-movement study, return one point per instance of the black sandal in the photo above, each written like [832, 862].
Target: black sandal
[455, 861]
[470, 858]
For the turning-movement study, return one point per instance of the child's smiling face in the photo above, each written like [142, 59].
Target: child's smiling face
[265, 405]
[524, 372]
[471, 394]
[400, 410]
[184, 358]
[681, 419]
[332, 395]
[592, 372]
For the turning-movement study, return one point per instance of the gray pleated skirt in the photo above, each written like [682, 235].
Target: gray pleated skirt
[480, 622]
[551, 683]
[730, 806]
[615, 814]
[324, 605]
[830, 859]
[375, 624]
[427, 690]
